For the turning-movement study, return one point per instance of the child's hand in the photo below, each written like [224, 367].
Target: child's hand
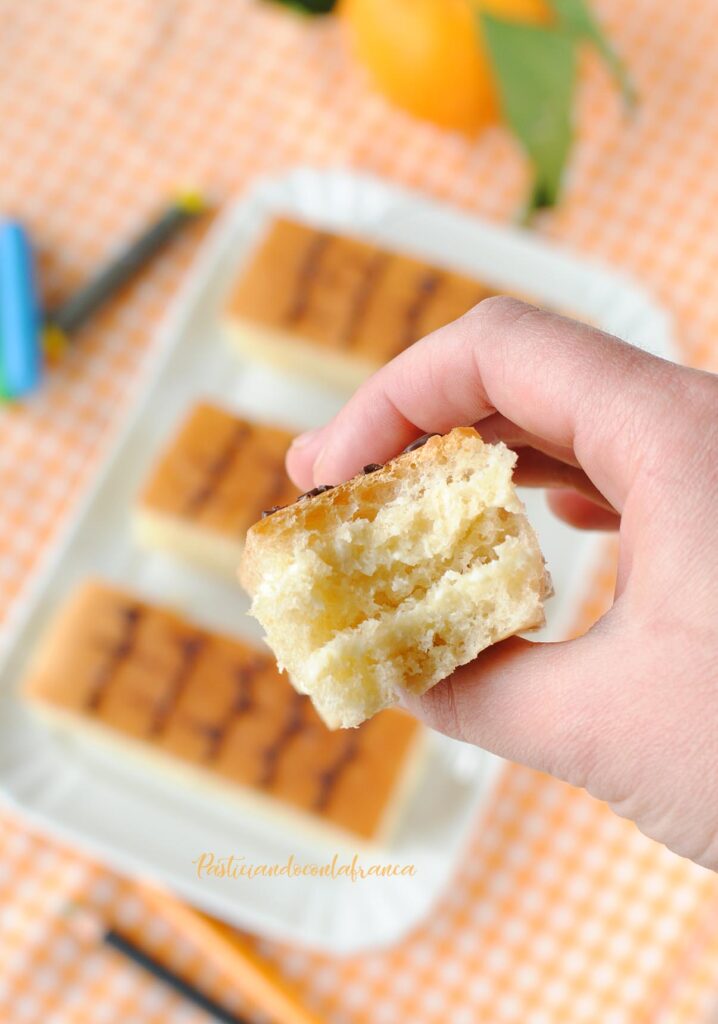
[621, 439]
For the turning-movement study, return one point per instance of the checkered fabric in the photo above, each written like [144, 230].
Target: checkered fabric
[560, 911]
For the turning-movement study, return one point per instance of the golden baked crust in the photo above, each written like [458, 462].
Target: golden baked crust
[216, 475]
[122, 666]
[359, 304]
[390, 581]
[220, 471]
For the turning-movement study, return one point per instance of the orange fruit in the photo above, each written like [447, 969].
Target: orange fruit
[428, 57]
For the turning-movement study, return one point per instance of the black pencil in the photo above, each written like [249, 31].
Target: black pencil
[71, 314]
[87, 923]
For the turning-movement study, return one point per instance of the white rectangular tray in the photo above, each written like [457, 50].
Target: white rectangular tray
[149, 827]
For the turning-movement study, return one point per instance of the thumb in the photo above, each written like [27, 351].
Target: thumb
[540, 704]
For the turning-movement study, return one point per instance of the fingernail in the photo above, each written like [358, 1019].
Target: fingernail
[317, 467]
[305, 440]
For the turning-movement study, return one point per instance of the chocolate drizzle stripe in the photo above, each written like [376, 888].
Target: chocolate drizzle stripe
[306, 276]
[366, 286]
[277, 484]
[329, 778]
[270, 511]
[371, 467]
[293, 725]
[419, 443]
[242, 704]
[217, 469]
[119, 652]
[315, 492]
[425, 290]
[190, 649]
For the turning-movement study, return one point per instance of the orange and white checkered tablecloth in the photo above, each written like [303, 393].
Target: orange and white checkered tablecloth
[561, 912]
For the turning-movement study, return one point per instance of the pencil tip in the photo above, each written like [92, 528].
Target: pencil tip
[192, 202]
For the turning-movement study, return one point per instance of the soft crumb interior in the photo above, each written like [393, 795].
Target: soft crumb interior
[397, 582]
[390, 575]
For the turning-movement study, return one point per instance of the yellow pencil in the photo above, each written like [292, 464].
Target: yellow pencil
[258, 981]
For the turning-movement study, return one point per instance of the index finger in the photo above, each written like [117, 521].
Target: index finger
[566, 382]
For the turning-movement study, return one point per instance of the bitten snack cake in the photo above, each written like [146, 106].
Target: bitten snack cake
[122, 670]
[390, 581]
[337, 308]
[209, 485]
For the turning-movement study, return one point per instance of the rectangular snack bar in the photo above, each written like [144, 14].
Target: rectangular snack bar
[217, 473]
[337, 308]
[210, 709]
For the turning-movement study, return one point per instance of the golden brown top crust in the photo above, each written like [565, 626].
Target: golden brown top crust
[347, 295]
[215, 702]
[220, 471]
[371, 486]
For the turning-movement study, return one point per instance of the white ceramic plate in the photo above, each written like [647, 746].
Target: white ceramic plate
[150, 827]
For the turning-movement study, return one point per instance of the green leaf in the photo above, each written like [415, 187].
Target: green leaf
[310, 6]
[576, 17]
[535, 70]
